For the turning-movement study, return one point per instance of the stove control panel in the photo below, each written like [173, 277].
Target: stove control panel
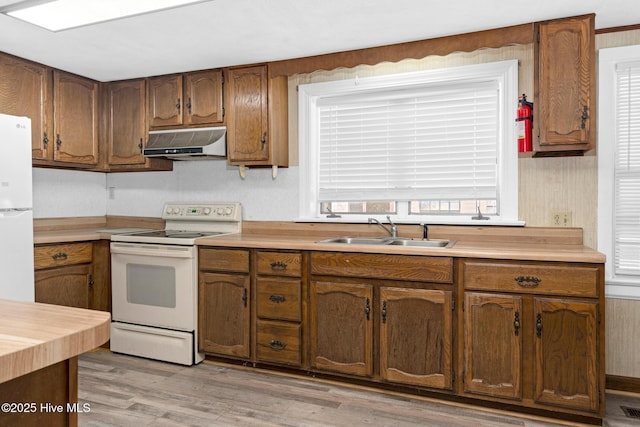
[198, 211]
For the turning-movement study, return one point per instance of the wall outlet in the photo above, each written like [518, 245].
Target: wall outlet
[562, 219]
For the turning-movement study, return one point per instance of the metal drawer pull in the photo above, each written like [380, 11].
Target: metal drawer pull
[277, 298]
[527, 281]
[516, 324]
[384, 312]
[277, 345]
[60, 256]
[367, 308]
[278, 266]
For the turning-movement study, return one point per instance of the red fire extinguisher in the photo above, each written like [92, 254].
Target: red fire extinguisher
[525, 124]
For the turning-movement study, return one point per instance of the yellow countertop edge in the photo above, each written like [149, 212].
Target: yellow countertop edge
[35, 335]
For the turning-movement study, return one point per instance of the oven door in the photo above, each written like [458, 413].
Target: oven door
[154, 285]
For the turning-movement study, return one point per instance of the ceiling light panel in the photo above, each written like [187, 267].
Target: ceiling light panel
[60, 15]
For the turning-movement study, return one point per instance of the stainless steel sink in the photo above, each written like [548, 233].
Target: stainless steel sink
[393, 241]
[423, 243]
[358, 240]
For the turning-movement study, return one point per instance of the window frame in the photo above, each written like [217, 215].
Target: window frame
[616, 285]
[505, 73]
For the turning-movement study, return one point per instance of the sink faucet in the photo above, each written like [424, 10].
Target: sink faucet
[392, 230]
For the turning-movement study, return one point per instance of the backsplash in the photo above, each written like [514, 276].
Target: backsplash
[63, 193]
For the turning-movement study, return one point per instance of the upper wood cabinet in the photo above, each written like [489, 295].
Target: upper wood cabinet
[127, 124]
[564, 73]
[125, 116]
[190, 99]
[75, 119]
[26, 90]
[257, 126]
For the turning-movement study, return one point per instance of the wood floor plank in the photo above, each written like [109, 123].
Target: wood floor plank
[127, 391]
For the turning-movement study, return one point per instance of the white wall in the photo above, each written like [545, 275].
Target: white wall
[61, 193]
[65, 193]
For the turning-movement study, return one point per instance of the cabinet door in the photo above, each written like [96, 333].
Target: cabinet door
[26, 91]
[68, 286]
[565, 84]
[247, 138]
[493, 344]
[165, 101]
[416, 337]
[566, 354]
[75, 119]
[127, 122]
[224, 314]
[203, 93]
[342, 327]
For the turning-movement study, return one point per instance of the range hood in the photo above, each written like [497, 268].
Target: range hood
[188, 144]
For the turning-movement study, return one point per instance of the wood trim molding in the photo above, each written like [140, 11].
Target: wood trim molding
[514, 35]
[616, 382]
[618, 29]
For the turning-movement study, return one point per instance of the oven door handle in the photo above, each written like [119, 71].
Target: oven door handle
[172, 251]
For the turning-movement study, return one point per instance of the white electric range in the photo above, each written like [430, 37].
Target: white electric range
[155, 281]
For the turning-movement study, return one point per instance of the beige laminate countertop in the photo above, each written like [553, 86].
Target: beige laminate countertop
[34, 335]
[302, 241]
[494, 250]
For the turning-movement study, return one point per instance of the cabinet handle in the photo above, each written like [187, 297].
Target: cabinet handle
[539, 325]
[367, 308]
[384, 312]
[90, 281]
[527, 281]
[60, 256]
[45, 140]
[140, 145]
[278, 266]
[277, 345]
[263, 140]
[58, 141]
[189, 105]
[278, 299]
[584, 117]
[244, 297]
[516, 324]
[178, 105]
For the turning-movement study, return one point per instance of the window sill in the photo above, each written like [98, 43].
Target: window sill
[620, 289]
[347, 219]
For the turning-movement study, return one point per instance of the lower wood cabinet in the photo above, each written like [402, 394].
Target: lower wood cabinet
[416, 336]
[63, 274]
[225, 315]
[539, 341]
[526, 334]
[224, 302]
[342, 327]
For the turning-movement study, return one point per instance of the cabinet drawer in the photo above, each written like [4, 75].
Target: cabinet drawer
[62, 254]
[279, 298]
[278, 342]
[280, 263]
[224, 260]
[396, 267]
[531, 278]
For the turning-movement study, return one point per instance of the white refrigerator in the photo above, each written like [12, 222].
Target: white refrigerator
[16, 214]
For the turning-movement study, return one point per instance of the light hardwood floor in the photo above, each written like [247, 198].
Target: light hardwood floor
[128, 391]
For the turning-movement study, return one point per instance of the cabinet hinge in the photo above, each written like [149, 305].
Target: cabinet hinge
[90, 280]
[223, 111]
[453, 303]
[598, 317]
[453, 376]
[463, 376]
[538, 37]
[462, 305]
[222, 78]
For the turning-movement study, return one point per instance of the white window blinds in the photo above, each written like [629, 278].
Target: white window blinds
[627, 171]
[417, 143]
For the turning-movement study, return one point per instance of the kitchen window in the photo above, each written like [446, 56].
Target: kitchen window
[434, 146]
[619, 169]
